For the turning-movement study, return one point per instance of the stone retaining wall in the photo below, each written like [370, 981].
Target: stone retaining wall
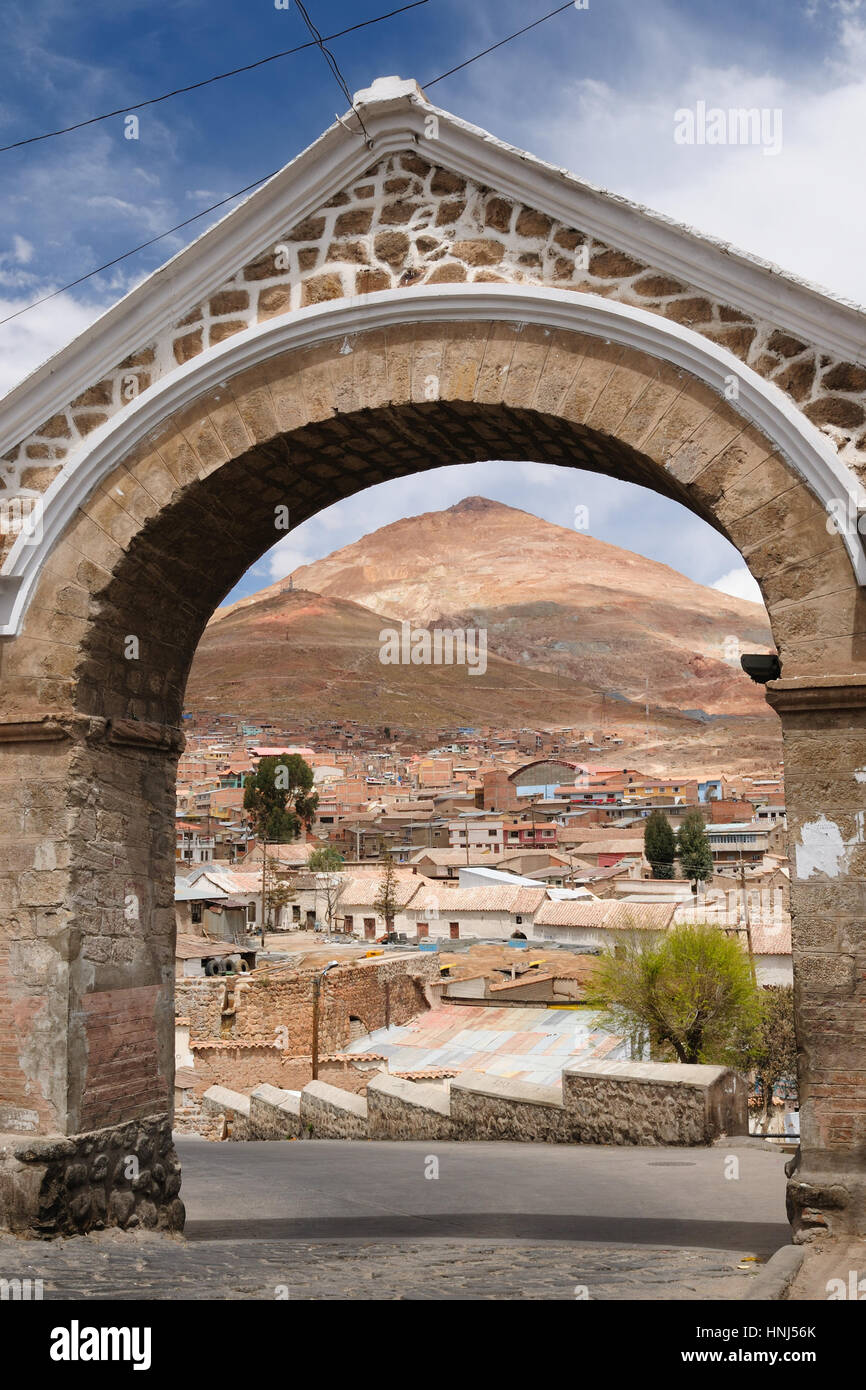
[660, 1103]
[328, 1113]
[220, 1101]
[127, 1176]
[615, 1103]
[274, 1113]
[400, 1109]
[494, 1107]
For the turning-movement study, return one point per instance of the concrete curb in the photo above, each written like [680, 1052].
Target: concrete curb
[777, 1275]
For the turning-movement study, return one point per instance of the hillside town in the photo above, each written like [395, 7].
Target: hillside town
[456, 894]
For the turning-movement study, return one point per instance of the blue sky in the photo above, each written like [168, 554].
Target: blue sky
[594, 90]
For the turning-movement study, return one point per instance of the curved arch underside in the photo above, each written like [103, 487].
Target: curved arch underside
[159, 539]
[596, 328]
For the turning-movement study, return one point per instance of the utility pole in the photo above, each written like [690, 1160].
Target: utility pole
[748, 919]
[264, 885]
[317, 990]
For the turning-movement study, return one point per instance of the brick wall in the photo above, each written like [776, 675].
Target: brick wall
[277, 1005]
[243, 1066]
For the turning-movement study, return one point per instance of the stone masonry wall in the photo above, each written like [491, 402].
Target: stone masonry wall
[400, 1109]
[409, 222]
[493, 1107]
[243, 1066]
[654, 1103]
[126, 1176]
[276, 1005]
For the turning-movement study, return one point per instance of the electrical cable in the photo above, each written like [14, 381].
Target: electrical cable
[206, 82]
[483, 54]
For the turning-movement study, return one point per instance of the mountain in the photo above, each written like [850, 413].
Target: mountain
[578, 632]
[291, 655]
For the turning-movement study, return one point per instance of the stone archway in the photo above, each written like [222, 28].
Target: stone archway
[164, 502]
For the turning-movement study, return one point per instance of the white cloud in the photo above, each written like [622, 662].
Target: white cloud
[38, 334]
[801, 210]
[284, 557]
[22, 249]
[739, 583]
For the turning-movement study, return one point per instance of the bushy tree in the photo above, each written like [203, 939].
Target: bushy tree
[774, 1045]
[659, 844]
[278, 797]
[325, 860]
[689, 993]
[693, 847]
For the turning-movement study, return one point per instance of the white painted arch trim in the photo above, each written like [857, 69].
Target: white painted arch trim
[808, 451]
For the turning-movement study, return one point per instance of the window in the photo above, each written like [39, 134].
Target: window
[196, 912]
[454, 930]
[492, 834]
[348, 922]
[296, 913]
[251, 912]
[423, 929]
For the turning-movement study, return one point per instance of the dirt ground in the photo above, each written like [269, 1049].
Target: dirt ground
[480, 959]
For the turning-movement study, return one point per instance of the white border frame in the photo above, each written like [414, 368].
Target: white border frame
[810, 453]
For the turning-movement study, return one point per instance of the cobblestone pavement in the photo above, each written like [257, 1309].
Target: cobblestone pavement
[143, 1266]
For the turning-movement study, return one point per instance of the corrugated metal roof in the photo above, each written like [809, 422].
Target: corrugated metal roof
[532, 1043]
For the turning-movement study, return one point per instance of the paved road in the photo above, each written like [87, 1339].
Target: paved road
[343, 1220]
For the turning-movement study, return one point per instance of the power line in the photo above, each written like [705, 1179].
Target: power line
[141, 247]
[315, 43]
[333, 65]
[206, 82]
[500, 44]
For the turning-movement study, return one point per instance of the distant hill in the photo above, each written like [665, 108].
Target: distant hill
[569, 620]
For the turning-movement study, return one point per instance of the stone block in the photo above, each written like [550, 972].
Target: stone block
[401, 1109]
[274, 1113]
[329, 1113]
[654, 1103]
[495, 1107]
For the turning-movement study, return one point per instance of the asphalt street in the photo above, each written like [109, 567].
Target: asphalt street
[359, 1221]
[331, 1189]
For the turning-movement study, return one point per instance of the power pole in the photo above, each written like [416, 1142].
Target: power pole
[264, 885]
[748, 919]
[317, 989]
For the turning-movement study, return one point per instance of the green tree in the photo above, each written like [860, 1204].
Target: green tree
[693, 847]
[326, 860]
[386, 902]
[774, 1046]
[689, 994]
[278, 797]
[659, 844]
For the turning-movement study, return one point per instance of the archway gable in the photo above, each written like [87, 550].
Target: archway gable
[441, 202]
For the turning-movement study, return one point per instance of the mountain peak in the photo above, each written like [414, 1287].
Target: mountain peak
[477, 504]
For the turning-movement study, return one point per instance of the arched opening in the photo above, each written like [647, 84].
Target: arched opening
[181, 511]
